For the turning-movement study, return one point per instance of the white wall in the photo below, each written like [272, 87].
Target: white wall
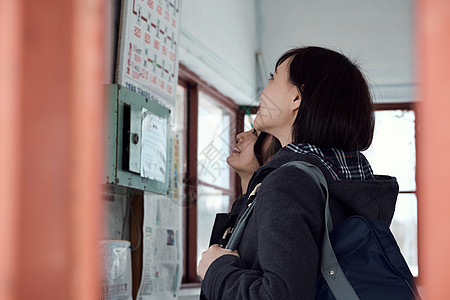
[375, 33]
[219, 39]
[218, 42]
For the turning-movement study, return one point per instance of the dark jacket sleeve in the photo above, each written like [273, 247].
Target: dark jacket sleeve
[289, 218]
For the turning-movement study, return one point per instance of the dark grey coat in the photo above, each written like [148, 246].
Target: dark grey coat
[280, 248]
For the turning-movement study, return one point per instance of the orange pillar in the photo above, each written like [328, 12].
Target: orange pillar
[10, 45]
[433, 75]
[51, 156]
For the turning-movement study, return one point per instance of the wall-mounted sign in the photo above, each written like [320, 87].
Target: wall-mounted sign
[148, 50]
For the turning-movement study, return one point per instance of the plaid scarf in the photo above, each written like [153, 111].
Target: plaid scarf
[342, 164]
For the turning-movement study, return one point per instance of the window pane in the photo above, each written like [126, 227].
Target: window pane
[404, 228]
[210, 201]
[248, 121]
[393, 150]
[213, 142]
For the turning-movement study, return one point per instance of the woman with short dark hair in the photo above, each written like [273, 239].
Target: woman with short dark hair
[336, 109]
[318, 104]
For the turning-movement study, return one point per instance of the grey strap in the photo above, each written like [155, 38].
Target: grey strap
[240, 226]
[329, 266]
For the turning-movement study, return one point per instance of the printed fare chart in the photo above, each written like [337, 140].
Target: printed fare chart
[148, 61]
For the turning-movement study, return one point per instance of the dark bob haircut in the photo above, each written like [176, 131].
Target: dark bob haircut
[336, 109]
[266, 146]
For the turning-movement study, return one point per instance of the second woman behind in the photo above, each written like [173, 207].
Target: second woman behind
[252, 150]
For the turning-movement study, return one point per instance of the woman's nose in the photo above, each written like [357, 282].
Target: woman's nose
[240, 137]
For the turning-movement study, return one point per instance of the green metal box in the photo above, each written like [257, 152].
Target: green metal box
[123, 143]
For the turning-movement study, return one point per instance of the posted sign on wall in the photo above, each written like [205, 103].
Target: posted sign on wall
[148, 53]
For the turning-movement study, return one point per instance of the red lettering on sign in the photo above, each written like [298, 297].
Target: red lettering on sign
[167, 16]
[137, 58]
[161, 84]
[153, 79]
[129, 59]
[159, 9]
[169, 89]
[147, 38]
[172, 56]
[156, 44]
[164, 50]
[144, 74]
[150, 4]
[137, 31]
[174, 23]
[135, 75]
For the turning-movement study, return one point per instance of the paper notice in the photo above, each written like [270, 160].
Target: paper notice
[154, 146]
[162, 255]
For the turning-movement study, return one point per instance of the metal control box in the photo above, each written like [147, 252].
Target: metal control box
[124, 143]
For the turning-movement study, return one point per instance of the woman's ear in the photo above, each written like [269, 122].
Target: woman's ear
[296, 102]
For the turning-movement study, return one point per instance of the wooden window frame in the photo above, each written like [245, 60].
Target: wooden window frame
[413, 107]
[401, 106]
[194, 86]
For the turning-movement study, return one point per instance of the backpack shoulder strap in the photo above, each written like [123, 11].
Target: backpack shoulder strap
[329, 266]
[240, 226]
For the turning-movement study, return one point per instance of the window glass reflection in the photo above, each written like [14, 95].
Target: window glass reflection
[393, 150]
[213, 142]
[210, 201]
[404, 228]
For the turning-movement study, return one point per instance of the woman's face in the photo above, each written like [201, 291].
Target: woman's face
[279, 103]
[243, 159]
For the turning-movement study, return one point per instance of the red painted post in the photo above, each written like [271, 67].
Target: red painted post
[10, 46]
[52, 121]
[87, 126]
[433, 117]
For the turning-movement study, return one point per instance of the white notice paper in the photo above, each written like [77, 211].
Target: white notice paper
[162, 255]
[154, 146]
[116, 283]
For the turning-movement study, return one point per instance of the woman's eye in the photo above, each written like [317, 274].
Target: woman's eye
[254, 132]
[271, 76]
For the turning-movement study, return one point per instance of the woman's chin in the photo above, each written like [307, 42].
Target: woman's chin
[231, 160]
[258, 123]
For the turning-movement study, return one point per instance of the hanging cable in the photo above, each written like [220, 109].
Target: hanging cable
[134, 248]
[126, 217]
